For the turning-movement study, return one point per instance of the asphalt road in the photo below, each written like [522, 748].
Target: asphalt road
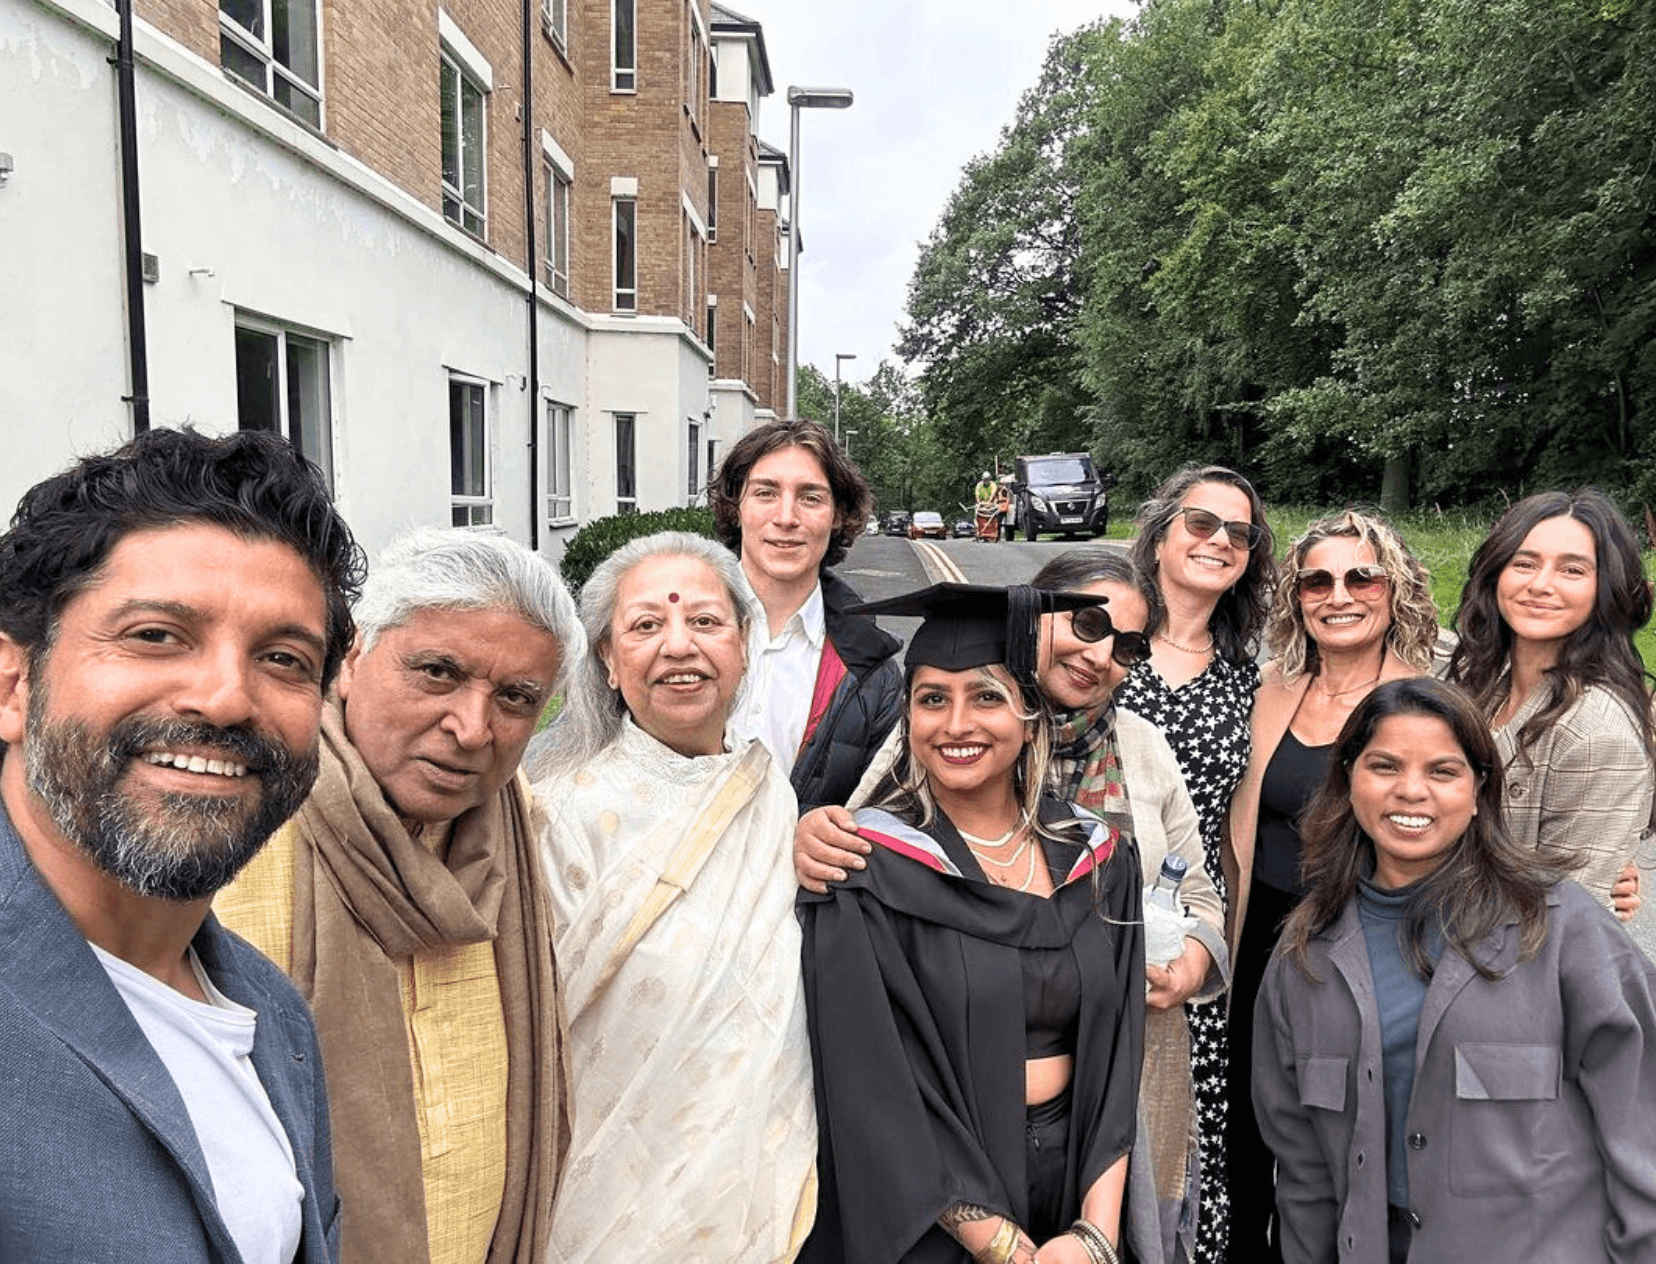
[882, 566]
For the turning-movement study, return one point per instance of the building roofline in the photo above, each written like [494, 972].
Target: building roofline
[770, 154]
[726, 21]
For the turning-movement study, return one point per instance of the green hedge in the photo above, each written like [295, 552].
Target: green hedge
[598, 539]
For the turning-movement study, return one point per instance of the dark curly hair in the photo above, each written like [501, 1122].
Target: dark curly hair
[1239, 618]
[254, 483]
[852, 499]
[1600, 652]
[1485, 879]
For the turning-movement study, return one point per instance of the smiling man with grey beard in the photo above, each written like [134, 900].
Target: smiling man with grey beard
[186, 847]
[170, 616]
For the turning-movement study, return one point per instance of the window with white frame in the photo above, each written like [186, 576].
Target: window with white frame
[692, 462]
[624, 46]
[692, 239]
[282, 385]
[626, 463]
[559, 189]
[275, 46]
[712, 326]
[471, 502]
[560, 463]
[712, 456]
[465, 143]
[626, 254]
[555, 22]
[693, 58]
[749, 210]
[712, 199]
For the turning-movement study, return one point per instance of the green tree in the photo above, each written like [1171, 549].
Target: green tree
[1344, 245]
[1472, 185]
[995, 295]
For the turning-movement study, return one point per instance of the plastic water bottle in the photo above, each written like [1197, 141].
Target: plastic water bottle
[1164, 921]
[1165, 892]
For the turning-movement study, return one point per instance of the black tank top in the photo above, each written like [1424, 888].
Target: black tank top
[1291, 778]
[1051, 981]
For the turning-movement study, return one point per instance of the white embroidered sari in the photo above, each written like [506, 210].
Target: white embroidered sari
[678, 957]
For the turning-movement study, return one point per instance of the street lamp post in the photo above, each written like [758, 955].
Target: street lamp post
[839, 358]
[848, 435]
[800, 99]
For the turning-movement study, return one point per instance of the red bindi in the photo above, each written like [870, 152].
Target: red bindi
[672, 596]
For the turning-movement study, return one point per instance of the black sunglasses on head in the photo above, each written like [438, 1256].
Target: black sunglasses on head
[1202, 523]
[1092, 624]
[1359, 581]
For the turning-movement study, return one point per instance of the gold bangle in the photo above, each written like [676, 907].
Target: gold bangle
[1098, 1247]
[1003, 1247]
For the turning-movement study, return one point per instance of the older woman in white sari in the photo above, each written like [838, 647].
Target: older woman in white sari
[668, 860]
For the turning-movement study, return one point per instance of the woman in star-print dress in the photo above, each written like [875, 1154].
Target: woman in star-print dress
[1204, 538]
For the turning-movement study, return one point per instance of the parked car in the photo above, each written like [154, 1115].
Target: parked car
[1061, 492]
[897, 522]
[873, 527]
[962, 529]
[927, 523]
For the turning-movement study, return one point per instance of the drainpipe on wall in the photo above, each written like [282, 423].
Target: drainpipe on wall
[529, 15]
[137, 344]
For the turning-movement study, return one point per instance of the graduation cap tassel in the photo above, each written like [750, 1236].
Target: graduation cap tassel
[1023, 608]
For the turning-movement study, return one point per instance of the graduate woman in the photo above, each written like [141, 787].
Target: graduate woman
[975, 994]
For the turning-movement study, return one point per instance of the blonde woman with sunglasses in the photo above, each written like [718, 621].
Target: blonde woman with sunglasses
[1353, 609]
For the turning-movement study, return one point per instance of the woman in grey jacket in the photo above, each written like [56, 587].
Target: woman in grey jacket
[1454, 1052]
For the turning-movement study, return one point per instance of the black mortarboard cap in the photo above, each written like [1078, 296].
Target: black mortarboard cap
[972, 625]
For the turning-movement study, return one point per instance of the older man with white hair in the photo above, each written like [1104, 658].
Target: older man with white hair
[404, 900]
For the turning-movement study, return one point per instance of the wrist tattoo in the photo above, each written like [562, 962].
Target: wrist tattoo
[963, 1213]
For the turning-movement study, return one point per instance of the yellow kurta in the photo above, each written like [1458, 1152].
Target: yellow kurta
[456, 1046]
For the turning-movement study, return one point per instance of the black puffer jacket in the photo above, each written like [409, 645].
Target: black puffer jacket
[865, 704]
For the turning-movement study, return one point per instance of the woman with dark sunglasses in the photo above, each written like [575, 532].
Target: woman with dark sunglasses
[1115, 763]
[1353, 609]
[1204, 543]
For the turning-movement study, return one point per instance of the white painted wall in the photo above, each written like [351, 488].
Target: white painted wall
[62, 323]
[249, 212]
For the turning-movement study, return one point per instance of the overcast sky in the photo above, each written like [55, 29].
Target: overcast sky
[935, 81]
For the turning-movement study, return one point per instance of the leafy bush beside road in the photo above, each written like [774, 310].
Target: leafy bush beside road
[601, 537]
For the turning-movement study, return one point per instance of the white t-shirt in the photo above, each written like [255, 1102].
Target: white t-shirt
[207, 1048]
[782, 673]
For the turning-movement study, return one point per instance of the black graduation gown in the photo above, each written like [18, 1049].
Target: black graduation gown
[914, 992]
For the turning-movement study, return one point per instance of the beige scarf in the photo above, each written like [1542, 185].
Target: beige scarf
[365, 893]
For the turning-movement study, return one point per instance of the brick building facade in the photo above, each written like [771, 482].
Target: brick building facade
[517, 297]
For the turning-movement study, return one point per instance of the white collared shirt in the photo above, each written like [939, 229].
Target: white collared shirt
[782, 674]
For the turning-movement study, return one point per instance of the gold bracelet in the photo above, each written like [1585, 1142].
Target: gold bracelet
[1099, 1250]
[1003, 1247]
